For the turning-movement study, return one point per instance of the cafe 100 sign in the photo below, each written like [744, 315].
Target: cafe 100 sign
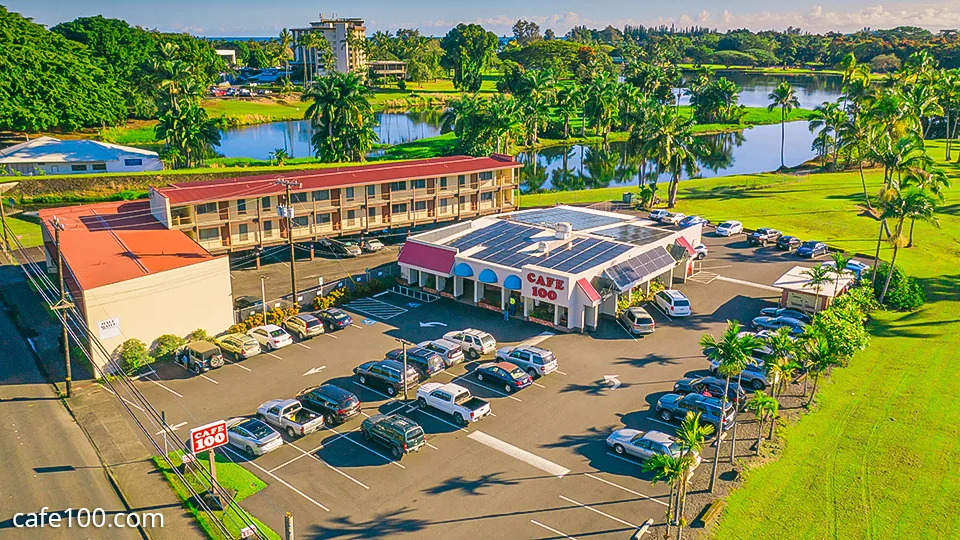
[546, 288]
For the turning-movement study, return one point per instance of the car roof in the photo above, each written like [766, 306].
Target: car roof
[334, 391]
[674, 293]
[391, 363]
[306, 317]
[637, 310]
[444, 342]
[533, 348]
[658, 436]
[201, 346]
[269, 327]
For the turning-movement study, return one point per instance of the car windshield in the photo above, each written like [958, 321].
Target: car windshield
[276, 333]
[727, 224]
[258, 429]
[674, 449]
[810, 245]
[517, 373]
[681, 303]
[488, 341]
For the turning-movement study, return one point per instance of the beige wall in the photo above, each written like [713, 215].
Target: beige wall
[173, 302]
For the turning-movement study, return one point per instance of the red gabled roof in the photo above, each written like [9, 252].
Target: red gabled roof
[686, 245]
[433, 258]
[261, 185]
[118, 241]
[588, 290]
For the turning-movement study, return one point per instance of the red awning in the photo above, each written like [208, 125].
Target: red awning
[589, 291]
[686, 245]
[431, 258]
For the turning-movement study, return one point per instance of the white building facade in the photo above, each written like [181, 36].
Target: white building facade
[50, 156]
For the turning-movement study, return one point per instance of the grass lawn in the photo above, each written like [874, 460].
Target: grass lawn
[25, 228]
[256, 111]
[230, 476]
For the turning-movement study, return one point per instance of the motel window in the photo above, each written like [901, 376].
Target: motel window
[267, 226]
[486, 196]
[443, 203]
[398, 186]
[209, 234]
[133, 162]
[348, 193]
[265, 203]
[241, 206]
[399, 208]
[371, 191]
[244, 231]
[302, 221]
[486, 175]
[99, 166]
[420, 205]
[463, 200]
[443, 181]
[322, 219]
[351, 214]
[371, 212]
[207, 208]
[298, 197]
[321, 195]
[462, 179]
[419, 184]
[76, 168]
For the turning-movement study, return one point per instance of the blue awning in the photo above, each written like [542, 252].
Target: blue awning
[463, 270]
[487, 276]
[513, 283]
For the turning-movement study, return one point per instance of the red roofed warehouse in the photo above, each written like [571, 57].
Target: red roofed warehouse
[131, 277]
[240, 214]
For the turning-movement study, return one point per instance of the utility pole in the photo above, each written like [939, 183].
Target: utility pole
[263, 297]
[62, 304]
[404, 343]
[3, 220]
[287, 211]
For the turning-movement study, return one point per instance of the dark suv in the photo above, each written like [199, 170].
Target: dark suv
[712, 385]
[334, 403]
[763, 236]
[398, 433]
[427, 363]
[676, 406]
[386, 374]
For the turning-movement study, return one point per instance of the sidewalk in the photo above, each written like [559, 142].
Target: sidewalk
[119, 443]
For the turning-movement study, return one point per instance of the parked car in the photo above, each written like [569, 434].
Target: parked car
[785, 312]
[335, 404]
[449, 352]
[244, 302]
[536, 361]
[690, 221]
[773, 323]
[753, 376]
[701, 251]
[763, 236]
[241, 346]
[856, 268]
[676, 406]
[729, 228]
[673, 218]
[645, 445]
[303, 325]
[200, 356]
[290, 416]
[509, 375]
[712, 385]
[426, 362]
[271, 336]
[398, 433]
[658, 215]
[812, 249]
[338, 248]
[334, 318]
[673, 302]
[475, 343]
[638, 321]
[788, 243]
[371, 245]
[386, 374]
[252, 436]
[454, 400]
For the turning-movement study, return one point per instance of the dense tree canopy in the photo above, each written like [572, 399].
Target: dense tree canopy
[467, 49]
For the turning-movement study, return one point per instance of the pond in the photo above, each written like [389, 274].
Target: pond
[580, 166]
[259, 140]
[812, 90]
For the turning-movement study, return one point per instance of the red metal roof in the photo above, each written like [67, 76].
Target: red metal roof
[686, 245]
[433, 258]
[261, 185]
[118, 241]
[588, 290]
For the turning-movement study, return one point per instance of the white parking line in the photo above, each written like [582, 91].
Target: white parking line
[629, 333]
[127, 401]
[628, 490]
[356, 326]
[304, 345]
[277, 478]
[662, 311]
[320, 460]
[560, 372]
[554, 531]
[241, 366]
[519, 453]
[389, 460]
[329, 335]
[273, 355]
[484, 386]
[178, 394]
[375, 308]
[749, 284]
[661, 422]
[538, 339]
[209, 379]
[604, 514]
[540, 385]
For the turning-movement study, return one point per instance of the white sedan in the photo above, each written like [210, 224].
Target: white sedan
[729, 228]
[271, 336]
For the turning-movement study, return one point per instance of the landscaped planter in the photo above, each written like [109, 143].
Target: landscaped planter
[447, 295]
[429, 290]
[491, 307]
[548, 323]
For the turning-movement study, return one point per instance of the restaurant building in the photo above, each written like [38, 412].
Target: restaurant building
[564, 266]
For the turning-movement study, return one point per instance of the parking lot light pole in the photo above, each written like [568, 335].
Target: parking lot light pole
[404, 343]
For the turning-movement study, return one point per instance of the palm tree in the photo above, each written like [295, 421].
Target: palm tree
[782, 364]
[949, 91]
[732, 352]
[816, 278]
[668, 140]
[668, 469]
[537, 100]
[341, 116]
[839, 268]
[279, 155]
[785, 97]
[819, 357]
[930, 179]
[569, 101]
[504, 117]
[602, 103]
[286, 40]
[763, 406]
[914, 204]
[854, 137]
[828, 117]
[691, 438]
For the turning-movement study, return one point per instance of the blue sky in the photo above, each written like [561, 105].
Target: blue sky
[435, 17]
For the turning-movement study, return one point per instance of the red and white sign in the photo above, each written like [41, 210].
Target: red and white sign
[208, 437]
[249, 531]
[546, 287]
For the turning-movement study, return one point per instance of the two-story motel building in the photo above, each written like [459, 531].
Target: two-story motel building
[238, 214]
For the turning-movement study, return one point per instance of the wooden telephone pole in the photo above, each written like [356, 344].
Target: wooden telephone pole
[287, 212]
[63, 305]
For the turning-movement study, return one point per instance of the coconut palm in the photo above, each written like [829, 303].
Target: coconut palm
[286, 40]
[569, 102]
[828, 117]
[732, 352]
[816, 278]
[536, 101]
[279, 155]
[782, 362]
[341, 117]
[668, 140]
[691, 438]
[669, 469]
[949, 92]
[783, 96]
[602, 103]
[819, 357]
[763, 406]
[914, 204]
[932, 180]
[839, 268]
[854, 138]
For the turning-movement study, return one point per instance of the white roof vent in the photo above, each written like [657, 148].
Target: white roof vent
[543, 248]
[564, 231]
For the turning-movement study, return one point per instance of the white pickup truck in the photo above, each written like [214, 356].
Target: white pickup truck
[454, 400]
[288, 415]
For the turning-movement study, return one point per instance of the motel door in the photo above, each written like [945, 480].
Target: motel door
[800, 301]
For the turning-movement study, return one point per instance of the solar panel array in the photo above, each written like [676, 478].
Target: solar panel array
[498, 232]
[631, 271]
[578, 219]
[635, 234]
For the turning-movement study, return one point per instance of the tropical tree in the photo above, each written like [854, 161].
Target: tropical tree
[913, 204]
[783, 96]
[279, 155]
[691, 438]
[285, 41]
[669, 469]
[930, 179]
[828, 117]
[839, 268]
[816, 278]
[819, 357]
[601, 103]
[569, 102]
[763, 406]
[342, 118]
[467, 48]
[668, 140]
[782, 362]
[731, 352]
[540, 91]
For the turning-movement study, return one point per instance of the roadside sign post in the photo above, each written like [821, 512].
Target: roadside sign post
[212, 456]
[207, 438]
[403, 344]
[288, 526]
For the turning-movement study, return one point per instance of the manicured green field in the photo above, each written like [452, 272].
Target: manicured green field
[241, 111]
[27, 230]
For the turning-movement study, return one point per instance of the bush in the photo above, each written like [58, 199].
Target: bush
[134, 355]
[638, 297]
[198, 335]
[274, 316]
[166, 346]
[904, 293]
[334, 298]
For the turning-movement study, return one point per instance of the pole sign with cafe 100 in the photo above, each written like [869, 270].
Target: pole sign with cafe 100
[208, 437]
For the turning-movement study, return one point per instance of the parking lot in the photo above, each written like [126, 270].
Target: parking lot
[538, 468]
